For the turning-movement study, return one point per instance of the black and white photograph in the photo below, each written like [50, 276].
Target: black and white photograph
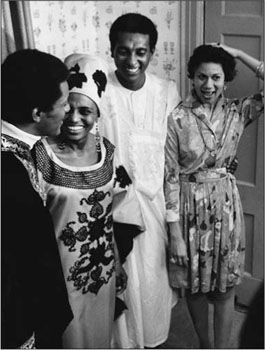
[132, 174]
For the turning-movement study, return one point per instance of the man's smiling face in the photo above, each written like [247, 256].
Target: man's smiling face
[132, 55]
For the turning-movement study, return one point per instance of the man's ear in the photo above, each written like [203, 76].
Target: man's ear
[36, 114]
[153, 51]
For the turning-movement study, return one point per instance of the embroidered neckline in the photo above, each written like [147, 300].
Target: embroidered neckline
[62, 175]
[11, 144]
[21, 151]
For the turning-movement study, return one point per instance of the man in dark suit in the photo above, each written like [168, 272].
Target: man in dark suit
[35, 308]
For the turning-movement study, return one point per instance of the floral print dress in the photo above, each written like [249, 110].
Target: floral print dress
[80, 202]
[199, 192]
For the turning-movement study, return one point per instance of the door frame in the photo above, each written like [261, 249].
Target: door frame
[192, 16]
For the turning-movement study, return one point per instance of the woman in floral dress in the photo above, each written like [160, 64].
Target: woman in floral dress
[204, 210]
[78, 172]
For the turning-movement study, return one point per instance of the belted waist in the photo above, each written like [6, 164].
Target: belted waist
[204, 176]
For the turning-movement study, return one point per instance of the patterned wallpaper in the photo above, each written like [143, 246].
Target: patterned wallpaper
[64, 27]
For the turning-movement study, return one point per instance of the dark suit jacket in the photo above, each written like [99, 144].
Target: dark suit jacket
[34, 295]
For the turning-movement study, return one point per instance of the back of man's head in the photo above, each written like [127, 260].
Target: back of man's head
[133, 23]
[30, 79]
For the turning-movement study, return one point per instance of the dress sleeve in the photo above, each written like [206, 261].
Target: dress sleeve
[122, 180]
[171, 183]
[126, 206]
[252, 107]
[127, 216]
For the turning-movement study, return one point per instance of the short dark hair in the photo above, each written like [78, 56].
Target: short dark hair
[133, 23]
[209, 53]
[30, 79]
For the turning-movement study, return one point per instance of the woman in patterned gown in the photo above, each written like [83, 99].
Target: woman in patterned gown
[204, 210]
[79, 174]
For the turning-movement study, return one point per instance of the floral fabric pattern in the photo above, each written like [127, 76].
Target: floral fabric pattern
[199, 192]
[95, 247]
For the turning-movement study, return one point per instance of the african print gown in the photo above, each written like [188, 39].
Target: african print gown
[201, 195]
[80, 201]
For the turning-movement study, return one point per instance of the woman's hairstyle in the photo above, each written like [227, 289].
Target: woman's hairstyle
[133, 23]
[30, 79]
[209, 53]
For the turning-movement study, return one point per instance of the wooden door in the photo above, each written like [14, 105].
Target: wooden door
[240, 24]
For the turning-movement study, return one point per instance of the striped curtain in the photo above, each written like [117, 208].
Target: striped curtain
[17, 32]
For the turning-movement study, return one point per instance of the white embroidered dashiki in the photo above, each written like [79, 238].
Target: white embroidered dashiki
[135, 122]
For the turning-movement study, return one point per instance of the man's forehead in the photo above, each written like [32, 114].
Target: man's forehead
[132, 34]
[139, 38]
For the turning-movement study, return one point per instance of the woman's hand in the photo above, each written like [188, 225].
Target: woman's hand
[178, 250]
[121, 278]
[255, 65]
[232, 51]
[121, 275]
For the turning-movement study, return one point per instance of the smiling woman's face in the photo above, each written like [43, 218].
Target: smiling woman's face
[81, 117]
[209, 80]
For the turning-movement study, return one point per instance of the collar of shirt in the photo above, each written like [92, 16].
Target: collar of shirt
[13, 131]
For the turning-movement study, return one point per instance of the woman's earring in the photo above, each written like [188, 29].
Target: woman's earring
[225, 87]
[97, 137]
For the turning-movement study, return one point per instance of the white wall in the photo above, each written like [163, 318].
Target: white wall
[64, 27]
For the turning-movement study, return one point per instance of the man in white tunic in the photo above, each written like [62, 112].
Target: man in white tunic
[134, 118]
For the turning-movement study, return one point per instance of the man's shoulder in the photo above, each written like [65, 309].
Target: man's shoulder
[10, 163]
[158, 80]
[13, 173]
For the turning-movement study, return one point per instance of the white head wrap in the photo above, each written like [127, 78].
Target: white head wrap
[88, 75]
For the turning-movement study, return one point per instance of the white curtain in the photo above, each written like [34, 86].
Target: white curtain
[17, 32]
